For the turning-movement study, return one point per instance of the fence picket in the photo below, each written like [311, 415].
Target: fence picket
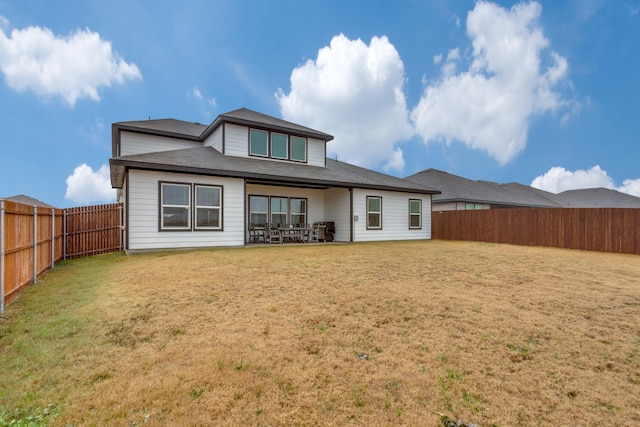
[594, 229]
[31, 243]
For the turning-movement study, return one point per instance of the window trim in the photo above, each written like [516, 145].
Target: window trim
[286, 145]
[289, 143]
[306, 148]
[195, 208]
[305, 213]
[419, 214]
[161, 206]
[268, 143]
[369, 227]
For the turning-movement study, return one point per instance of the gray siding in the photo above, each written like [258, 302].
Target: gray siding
[138, 143]
[143, 211]
[215, 140]
[337, 209]
[395, 216]
[316, 152]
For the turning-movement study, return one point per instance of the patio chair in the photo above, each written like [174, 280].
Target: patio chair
[257, 233]
[272, 234]
[312, 235]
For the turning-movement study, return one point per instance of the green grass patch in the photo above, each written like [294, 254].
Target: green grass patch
[42, 333]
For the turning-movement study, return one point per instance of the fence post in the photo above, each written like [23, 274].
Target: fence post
[53, 238]
[64, 235]
[35, 244]
[2, 233]
[120, 227]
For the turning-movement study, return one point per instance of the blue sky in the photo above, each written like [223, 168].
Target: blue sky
[543, 93]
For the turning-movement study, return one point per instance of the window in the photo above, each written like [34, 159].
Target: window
[279, 146]
[258, 143]
[208, 207]
[415, 213]
[258, 210]
[298, 149]
[298, 211]
[175, 206]
[374, 212]
[471, 206]
[279, 210]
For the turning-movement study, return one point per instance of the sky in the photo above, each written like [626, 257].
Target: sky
[542, 93]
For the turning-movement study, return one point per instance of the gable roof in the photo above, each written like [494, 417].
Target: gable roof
[208, 161]
[455, 188]
[458, 189]
[194, 131]
[597, 198]
[246, 117]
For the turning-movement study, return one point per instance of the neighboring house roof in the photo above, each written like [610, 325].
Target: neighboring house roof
[458, 189]
[454, 188]
[597, 198]
[26, 200]
[209, 161]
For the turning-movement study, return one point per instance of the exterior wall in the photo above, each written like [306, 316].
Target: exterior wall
[395, 216]
[237, 144]
[236, 140]
[215, 139]
[143, 213]
[338, 209]
[315, 199]
[316, 152]
[138, 143]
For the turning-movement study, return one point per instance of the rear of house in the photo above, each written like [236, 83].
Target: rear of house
[188, 185]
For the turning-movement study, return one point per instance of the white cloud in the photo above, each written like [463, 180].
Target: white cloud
[86, 186]
[72, 67]
[195, 92]
[558, 179]
[488, 106]
[630, 186]
[437, 58]
[353, 91]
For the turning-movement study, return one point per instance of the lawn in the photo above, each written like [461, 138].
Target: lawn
[353, 334]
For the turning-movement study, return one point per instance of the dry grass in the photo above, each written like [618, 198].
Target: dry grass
[366, 334]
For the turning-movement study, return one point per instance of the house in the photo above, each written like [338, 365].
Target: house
[187, 185]
[458, 193]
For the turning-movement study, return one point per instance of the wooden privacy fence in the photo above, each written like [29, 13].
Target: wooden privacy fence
[33, 239]
[593, 229]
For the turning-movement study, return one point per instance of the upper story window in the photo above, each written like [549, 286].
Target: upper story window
[258, 143]
[298, 149]
[277, 145]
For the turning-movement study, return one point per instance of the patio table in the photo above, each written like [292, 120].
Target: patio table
[296, 234]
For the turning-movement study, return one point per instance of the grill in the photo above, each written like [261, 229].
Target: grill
[326, 230]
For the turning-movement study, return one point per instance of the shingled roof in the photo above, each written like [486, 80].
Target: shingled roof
[458, 189]
[209, 161]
